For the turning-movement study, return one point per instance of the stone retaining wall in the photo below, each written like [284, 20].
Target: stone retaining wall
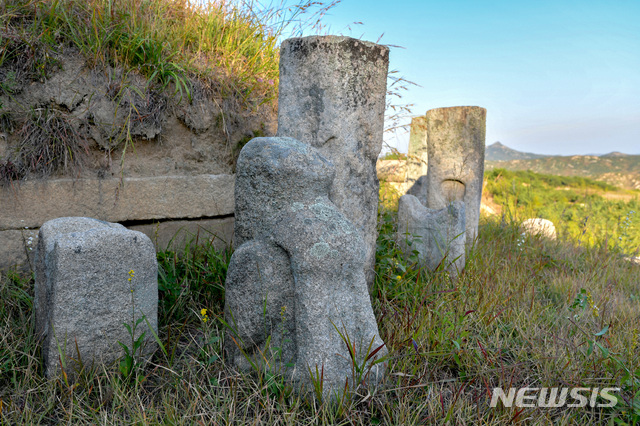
[169, 209]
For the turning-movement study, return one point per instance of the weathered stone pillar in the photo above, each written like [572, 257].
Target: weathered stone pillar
[416, 179]
[455, 140]
[332, 97]
[92, 277]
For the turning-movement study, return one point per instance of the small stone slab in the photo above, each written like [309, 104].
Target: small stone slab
[83, 295]
[31, 203]
[539, 226]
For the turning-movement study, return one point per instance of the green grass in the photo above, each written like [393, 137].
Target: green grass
[587, 211]
[232, 47]
[541, 181]
[394, 155]
[526, 312]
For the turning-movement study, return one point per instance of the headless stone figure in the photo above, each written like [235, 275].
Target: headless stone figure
[454, 138]
[296, 281]
[332, 96]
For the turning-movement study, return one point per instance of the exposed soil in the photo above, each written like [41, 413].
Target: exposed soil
[488, 205]
[85, 121]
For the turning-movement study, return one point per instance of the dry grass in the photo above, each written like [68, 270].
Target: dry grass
[230, 45]
[50, 142]
[517, 316]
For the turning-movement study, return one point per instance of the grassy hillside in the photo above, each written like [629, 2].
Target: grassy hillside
[170, 42]
[621, 171]
[526, 312]
[584, 211]
[83, 80]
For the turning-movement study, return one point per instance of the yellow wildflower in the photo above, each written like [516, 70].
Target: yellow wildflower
[205, 317]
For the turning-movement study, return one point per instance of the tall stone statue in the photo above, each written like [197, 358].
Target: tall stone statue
[332, 97]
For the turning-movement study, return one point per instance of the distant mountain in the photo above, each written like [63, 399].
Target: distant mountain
[500, 152]
[616, 168]
[615, 154]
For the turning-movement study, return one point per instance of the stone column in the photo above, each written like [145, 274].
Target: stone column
[417, 160]
[332, 97]
[455, 140]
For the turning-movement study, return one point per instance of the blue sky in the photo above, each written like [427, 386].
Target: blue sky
[556, 77]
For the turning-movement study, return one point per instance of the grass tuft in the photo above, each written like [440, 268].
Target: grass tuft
[49, 143]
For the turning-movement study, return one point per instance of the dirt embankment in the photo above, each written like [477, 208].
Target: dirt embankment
[84, 121]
